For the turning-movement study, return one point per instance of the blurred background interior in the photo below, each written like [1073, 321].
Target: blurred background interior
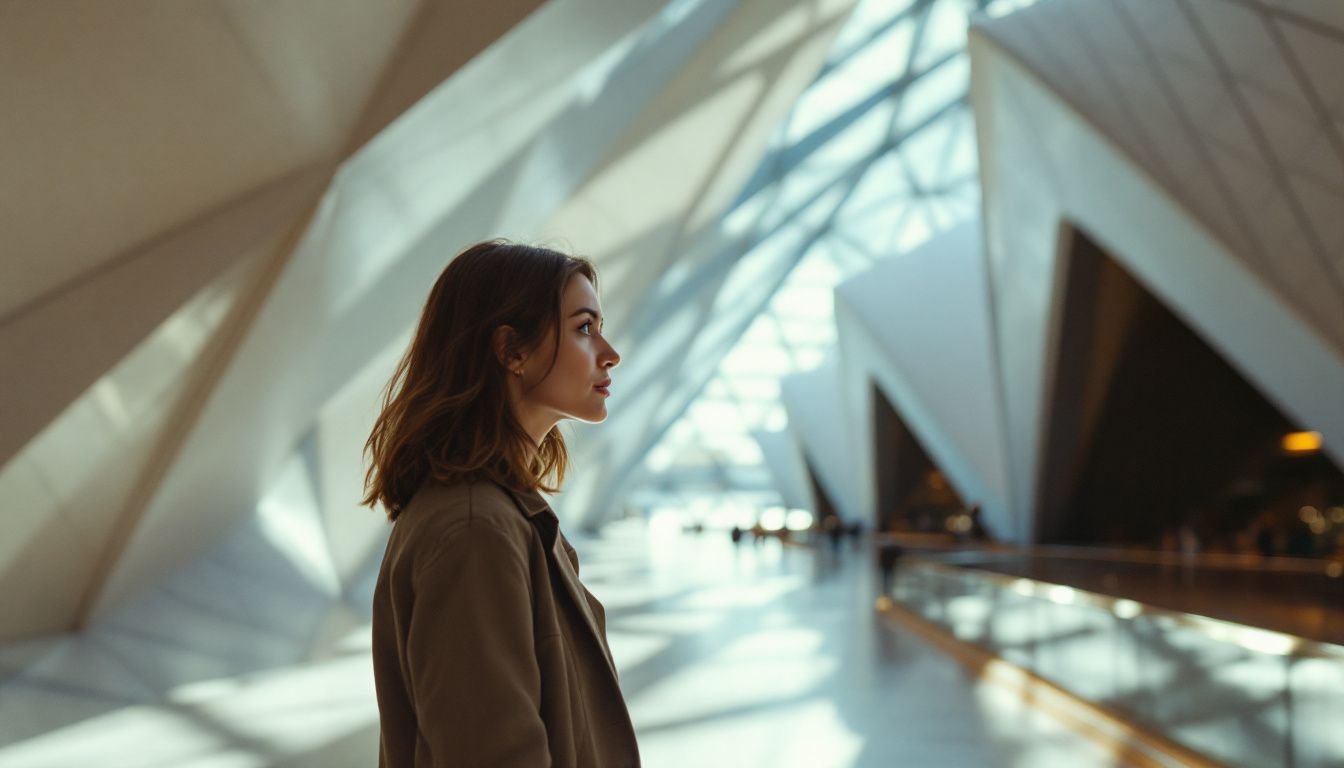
[983, 388]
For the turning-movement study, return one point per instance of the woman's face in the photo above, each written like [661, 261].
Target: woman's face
[577, 385]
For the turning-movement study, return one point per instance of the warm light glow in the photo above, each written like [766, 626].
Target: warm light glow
[798, 520]
[1302, 442]
[1126, 609]
[1251, 638]
[1061, 595]
[772, 519]
[958, 523]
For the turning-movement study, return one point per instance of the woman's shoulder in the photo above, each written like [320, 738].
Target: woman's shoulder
[444, 522]
[440, 508]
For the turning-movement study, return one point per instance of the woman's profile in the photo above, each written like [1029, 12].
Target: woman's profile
[487, 649]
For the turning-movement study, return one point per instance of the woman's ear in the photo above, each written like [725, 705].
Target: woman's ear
[504, 342]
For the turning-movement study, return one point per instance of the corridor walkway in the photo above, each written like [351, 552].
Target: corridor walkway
[750, 657]
[772, 656]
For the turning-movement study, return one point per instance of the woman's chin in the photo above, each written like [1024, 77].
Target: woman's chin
[593, 414]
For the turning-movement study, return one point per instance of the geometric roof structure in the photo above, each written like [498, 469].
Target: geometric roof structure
[221, 220]
[1235, 108]
[212, 262]
[876, 157]
[1200, 144]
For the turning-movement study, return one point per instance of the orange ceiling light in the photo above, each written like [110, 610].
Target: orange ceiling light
[1302, 442]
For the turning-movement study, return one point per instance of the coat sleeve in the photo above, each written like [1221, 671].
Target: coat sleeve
[471, 655]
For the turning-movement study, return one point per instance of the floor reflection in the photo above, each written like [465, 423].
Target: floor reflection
[742, 656]
[772, 655]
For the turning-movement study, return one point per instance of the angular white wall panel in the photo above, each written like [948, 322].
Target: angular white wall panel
[383, 233]
[815, 404]
[1045, 164]
[918, 326]
[784, 459]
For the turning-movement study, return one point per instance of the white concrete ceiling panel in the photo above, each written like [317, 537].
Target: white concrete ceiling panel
[918, 327]
[325, 60]
[324, 312]
[71, 337]
[447, 36]
[1045, 165]
[72, 483]
[125, 120]
[1228, 104]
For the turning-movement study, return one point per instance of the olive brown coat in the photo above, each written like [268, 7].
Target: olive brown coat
[487, 649]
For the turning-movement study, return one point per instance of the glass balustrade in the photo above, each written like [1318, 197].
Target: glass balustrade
[1237, 694]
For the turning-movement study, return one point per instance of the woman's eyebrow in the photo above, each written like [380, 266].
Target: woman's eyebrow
[592, 312]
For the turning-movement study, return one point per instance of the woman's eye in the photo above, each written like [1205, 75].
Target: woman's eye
[586, 327]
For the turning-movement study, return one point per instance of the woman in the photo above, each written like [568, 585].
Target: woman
[487, 649]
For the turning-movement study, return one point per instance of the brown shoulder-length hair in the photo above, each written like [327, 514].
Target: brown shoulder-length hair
[446, 411]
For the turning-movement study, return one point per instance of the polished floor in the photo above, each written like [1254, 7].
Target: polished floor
[1237, 695]
[730, 656]
[1304, 602]
[765, 655]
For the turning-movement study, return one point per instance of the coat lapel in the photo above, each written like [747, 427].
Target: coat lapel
[535, 508]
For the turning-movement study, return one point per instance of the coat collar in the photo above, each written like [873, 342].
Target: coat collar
[539, 512]
[529, 502]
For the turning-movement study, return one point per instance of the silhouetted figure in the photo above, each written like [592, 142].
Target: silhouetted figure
[1301, 542]
[1264, 541]
[736, 535]
[888, 556]
[977, 530]
[834, 530]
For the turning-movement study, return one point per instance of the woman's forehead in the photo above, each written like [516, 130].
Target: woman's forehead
[580, 293]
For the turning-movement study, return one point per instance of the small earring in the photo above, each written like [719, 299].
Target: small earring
[518, 372]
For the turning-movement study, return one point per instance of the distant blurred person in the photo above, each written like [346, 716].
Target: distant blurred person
[977, 531]
[855, 533]
[1301, 541]
[834, 531]
[888, 558]
[487, 649]
[1265, 541]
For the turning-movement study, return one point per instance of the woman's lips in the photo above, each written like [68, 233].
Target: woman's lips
[604, 388]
